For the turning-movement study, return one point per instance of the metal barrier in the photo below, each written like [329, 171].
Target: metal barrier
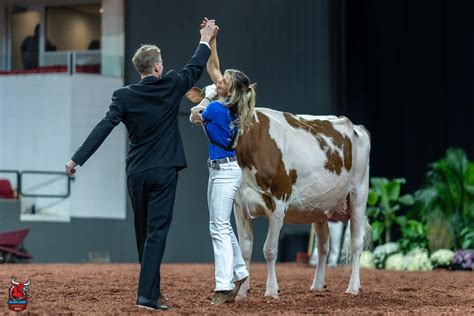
[21, 191]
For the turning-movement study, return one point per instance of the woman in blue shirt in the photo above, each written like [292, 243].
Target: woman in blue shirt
[224, 120]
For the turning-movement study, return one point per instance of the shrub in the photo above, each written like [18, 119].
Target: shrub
[382, 252]
[384, 202]
[417, 260]
[395, 262]
[463, 259]
[442, 258]
[446, 203]
[367, 260]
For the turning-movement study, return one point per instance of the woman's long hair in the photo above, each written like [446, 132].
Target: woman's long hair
[241, 99]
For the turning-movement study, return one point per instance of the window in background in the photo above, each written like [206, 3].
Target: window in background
[24, 39]
[74, 28]
[62, 37]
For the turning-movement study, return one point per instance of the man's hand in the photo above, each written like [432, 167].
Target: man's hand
[71, 168]
[208, 30]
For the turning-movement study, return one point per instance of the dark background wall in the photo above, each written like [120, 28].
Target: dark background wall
[409, 76]
[283, 47]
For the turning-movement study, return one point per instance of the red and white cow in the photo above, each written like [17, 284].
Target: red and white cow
[299, 169]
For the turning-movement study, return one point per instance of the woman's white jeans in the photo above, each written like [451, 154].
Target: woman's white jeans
[222, 187]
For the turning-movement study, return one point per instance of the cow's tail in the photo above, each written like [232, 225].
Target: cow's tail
[347, 245]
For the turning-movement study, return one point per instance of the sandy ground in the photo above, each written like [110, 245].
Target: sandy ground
[111, 288]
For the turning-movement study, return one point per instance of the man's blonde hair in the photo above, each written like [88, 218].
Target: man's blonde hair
[145, 57]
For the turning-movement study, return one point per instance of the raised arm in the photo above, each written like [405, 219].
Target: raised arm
[193, 69]
[213, 64]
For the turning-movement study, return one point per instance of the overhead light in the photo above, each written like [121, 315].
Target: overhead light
[101, 10]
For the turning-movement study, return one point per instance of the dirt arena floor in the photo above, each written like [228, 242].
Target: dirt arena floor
[110, 289]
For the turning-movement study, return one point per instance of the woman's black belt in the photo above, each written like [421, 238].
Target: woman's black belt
[216, 162]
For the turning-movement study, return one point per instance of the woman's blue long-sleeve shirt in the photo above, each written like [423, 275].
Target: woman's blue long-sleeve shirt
[220, 129]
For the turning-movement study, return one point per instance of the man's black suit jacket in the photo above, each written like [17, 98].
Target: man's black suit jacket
[149, 109]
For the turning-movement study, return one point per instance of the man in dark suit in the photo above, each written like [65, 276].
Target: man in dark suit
[149, 109]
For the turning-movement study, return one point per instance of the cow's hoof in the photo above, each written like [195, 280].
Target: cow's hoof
[352, 291]
[243, 292]
[315, 288]
[272, 296]
[318, 289]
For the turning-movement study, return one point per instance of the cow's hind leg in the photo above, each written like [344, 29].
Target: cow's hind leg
[322, 233]
[270, 251]
[359, 229]
[245, 232]
[335, 239]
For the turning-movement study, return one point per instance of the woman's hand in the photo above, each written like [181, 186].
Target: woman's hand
[195, 116]
[204, 22]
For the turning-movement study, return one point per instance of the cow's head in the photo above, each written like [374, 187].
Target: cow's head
[203, 97]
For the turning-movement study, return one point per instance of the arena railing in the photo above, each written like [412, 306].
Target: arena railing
[34, 189]
[44, 183]
[73, 62]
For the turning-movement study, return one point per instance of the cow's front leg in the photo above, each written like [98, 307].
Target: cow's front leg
[245, 232]
[270, 251]
[322, 234]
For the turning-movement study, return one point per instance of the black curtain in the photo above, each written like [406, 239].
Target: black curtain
[406, 73]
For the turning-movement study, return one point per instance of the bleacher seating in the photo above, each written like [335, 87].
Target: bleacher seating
[54, 69]
[6, 190]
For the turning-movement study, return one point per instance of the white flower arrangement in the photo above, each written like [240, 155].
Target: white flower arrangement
[383, 251]
[395, 262]
[367, 260]
[442, 258]
[417, 260]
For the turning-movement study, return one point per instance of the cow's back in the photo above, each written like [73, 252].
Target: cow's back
[301, 161]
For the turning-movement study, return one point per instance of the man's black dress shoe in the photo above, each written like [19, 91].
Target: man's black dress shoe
[144, 302]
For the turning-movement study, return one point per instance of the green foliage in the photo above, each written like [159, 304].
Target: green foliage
[384, 201]
[446, 203]
[467, 238]
[413, 234]
[440, 235]
[442, 212]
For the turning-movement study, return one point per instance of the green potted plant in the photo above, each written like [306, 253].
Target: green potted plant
[446, 202]
[384, 202]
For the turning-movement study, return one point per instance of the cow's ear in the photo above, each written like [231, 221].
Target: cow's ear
[194, 95]
[254, 86]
